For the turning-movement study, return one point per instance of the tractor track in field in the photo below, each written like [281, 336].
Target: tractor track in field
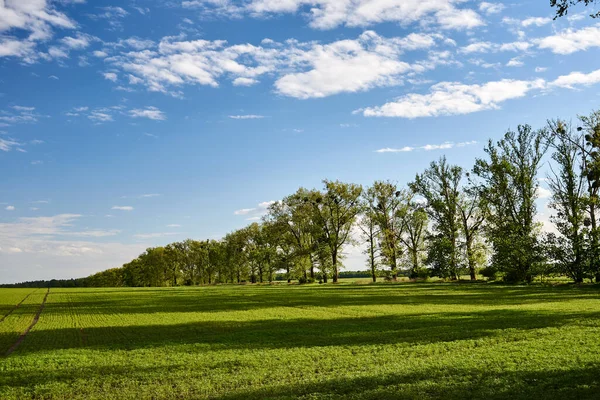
[24, 334]
[17, 306]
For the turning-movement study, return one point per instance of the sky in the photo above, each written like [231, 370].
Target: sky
[136, 123]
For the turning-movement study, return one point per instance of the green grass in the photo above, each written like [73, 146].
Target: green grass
[358, 341]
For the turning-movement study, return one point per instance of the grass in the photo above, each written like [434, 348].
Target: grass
[358, 341]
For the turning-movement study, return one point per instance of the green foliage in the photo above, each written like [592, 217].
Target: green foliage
[509, 189]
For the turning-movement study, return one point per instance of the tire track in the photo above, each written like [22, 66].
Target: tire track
[24, 334]
[17, 306]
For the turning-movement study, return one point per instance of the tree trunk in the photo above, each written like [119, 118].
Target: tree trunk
[373, 266]
[289, 278]
[335, 266]
[470, 259]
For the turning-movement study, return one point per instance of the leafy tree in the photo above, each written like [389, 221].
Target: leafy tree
[472, 219]
[335, 212]
[414, 225]
[440, 186]
[509, 190]
[370, 231]
[568, 186]
[388, 200]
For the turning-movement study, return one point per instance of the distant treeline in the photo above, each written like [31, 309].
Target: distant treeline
[447, 222]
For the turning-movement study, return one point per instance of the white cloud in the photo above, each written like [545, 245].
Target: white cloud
[244, 211]
[8, 144]
[256, 212]
[570, 41]
[302, 70]
[99, 116]
[537, 21]
[577, 78]
[515, 62]
[329, 14]
[244, 81]
[34, 20]
[48, 247]
[543, 193]
[122, 208]
[148, 112]
[491, 8]
[540, 69]
[111, 76]
[99, 54]
[452, 98]
[427, 147]
[79, 42]
[10, 208]
[173, 226]
[247, 116]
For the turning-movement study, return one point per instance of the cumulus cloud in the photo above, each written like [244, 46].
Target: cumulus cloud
[35, 22]
[111, 76]
[570, 41]
[302, 70]
[454, 98]
[10, 208]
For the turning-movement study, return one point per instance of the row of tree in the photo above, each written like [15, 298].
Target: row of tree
[447, 222]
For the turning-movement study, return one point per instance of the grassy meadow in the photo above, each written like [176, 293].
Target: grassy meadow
[383, 341]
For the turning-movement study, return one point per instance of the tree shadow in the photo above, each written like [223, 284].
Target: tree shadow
[410, 329]
[245, 298]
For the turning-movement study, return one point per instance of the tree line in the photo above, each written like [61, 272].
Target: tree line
[447, 222]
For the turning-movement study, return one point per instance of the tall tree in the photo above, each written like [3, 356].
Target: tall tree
[414, 222]
[568, 185]
[370, 231]
[335, 212]
[388, 204]
[440, 186]
[509, 190]
[472, 219]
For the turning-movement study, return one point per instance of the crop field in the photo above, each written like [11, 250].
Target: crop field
[384, 341]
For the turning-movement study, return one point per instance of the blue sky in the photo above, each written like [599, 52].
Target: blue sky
[128, 124]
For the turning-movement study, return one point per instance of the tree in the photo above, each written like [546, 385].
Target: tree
[472, 219]
[370, 231]
[414, 222]
[440, 186]
[335, 212]
[509, 190]
[388, 203]
[568, 186]
[563, 6]
[294, 215]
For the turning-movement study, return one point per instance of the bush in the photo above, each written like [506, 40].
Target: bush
[490, 273]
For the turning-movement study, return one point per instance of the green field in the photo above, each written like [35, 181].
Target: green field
[414, 341]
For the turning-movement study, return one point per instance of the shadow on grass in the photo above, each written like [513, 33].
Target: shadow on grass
[409, 329]
[575, 383]
[245, 298]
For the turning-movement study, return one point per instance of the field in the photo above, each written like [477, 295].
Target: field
[413, 341]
